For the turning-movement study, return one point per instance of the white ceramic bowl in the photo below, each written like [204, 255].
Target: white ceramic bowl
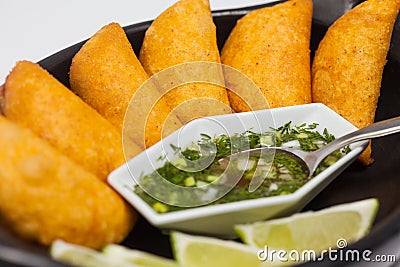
[219, 219]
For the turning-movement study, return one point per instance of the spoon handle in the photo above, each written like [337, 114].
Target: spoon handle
[374, 130]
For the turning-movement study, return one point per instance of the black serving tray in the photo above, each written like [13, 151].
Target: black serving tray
[381, 180]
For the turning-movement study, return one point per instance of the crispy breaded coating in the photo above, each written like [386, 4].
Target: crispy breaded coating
[106, 73]
[1, 98]
[348, 65]
[271, 46]
[45, 196]
[184, 33]
[36, 100]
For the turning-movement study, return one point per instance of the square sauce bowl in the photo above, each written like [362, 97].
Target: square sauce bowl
[219, 220]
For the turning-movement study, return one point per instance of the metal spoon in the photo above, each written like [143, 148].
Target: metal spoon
[310, 160]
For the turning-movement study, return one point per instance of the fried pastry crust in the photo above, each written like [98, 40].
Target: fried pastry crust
[184, 33]
[45, 196]
[348, 65]
[36, 100]
[106, 74]
[271, 46]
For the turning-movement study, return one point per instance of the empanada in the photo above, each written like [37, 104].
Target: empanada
[36, 100]
[185, 33]
[45, 196]
[348, 65]
[271, 46]
[106, 74]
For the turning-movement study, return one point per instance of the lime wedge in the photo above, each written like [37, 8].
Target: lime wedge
[331, 227]
[84, 257]
[137, 257]
[200, 251]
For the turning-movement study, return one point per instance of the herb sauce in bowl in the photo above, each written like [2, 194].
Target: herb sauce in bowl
[282, 175]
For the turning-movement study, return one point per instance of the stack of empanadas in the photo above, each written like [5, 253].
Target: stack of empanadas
[53, 174]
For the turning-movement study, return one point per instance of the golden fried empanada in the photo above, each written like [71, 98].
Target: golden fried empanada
[105, 73]
[271, 46]
[348, 65]
[184, 33]
[45, 196]
[36, 100]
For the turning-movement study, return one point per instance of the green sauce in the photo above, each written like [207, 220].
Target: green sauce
[283, 175]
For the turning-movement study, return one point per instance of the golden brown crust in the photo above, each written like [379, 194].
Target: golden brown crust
[106, 73]
[36, 100]
[348, 65]
[271, 46]
[45, 196]
[183, 33]
[1, 99]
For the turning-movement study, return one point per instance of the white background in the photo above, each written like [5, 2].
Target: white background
[34, 29]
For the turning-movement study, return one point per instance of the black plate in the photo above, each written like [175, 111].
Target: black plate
[381, 180]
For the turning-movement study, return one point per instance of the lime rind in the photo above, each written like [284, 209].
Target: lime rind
[370, 210]
[198, 251]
